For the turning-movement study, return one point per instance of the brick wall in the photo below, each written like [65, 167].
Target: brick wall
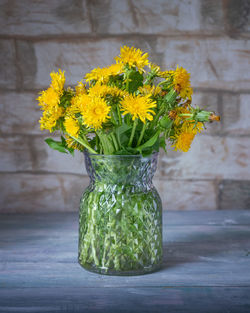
[209, 37]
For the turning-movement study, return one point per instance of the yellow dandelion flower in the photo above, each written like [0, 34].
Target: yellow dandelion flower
[50, 118]
[99, 90]
[96, 113]
[184, 141]
[185, 134]
[132, 57]
[139, 107]
[114, 69]
[103, 74]
[49, 101]
[80, 89]
[72, 126]
[78, 103]
[150, 90]
[181, 82]
[57, 81]
[49, 98]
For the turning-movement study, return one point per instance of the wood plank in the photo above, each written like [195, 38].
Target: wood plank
[220, 218]
[125, 300]
[184, 243]
[205, 269]
[195, 274]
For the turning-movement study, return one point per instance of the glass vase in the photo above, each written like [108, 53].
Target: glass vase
[120, 219]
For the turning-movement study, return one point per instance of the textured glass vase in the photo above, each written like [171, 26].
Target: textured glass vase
[120, 220]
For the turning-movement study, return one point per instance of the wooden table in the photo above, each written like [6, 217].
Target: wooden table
[206, 267]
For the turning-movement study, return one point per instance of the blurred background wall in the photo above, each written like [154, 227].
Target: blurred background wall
[210, 38]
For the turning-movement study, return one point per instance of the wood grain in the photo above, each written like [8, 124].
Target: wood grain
[206, 267]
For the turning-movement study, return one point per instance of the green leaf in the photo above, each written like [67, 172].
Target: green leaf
[170, 97]
[56, 145]
[120, 133]
[136, 81]
[163, 143]
[150, 142]
[166, 122]
[122, 129]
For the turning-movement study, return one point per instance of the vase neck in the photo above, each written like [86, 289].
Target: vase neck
[121, 170]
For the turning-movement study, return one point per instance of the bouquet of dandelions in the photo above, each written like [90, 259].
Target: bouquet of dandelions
[122, 110]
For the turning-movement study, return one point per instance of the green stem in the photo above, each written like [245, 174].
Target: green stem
[79, 140]
[186, 114]
[119, 114]
[142, 133]
[155, 120]
[127, 84]
[97, 143]
[113, 118]
[103, 143]
[115, 141]
[133, 132]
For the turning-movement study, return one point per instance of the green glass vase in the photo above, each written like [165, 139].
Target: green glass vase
[120, 219]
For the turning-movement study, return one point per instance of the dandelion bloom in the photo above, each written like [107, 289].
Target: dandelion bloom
[57, 81]
[72, 126]
[49, 101]
[132, 57]
[184, 141]
[185, 135]
[103, 74]
[181, 82]
[139, 107]
[80, 88]
[99, 90]
[96, 113]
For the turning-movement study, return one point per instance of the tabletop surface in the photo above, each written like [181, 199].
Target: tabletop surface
[206, 267]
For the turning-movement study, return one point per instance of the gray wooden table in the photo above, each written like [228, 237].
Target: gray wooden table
[206, 267]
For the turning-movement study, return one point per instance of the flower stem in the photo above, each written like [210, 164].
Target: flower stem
[115, 141]
[155, 120]
[119, 114]
[133, 132]
[83, 143]
[142, 134]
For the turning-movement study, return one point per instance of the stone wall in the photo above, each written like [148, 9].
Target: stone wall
[208, 37]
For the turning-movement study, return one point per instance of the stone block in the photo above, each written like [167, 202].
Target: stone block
[32, 18]
[231, 109]
[236, 114]
[49, 160]
[8, 73]
[76, 58]
[210, 158]
[234, 194]
[23, 193]
[206, 60]
[237, 16]
[15, 154]
[26, 62]
[212, 15]
[157, 17]
[19, 113]
[186, 195]
[29, 153]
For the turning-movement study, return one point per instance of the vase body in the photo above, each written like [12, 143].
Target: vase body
[120, 218]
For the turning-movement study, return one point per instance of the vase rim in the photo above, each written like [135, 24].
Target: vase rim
[121, 155]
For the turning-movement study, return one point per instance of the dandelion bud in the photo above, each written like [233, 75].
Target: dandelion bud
[214, 117]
